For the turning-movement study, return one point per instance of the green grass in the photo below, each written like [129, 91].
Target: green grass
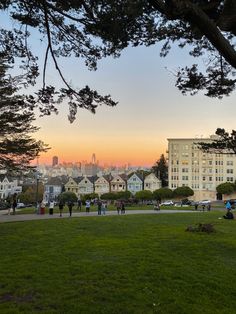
[118, 264]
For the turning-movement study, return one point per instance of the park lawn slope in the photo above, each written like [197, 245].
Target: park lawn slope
[120, 264]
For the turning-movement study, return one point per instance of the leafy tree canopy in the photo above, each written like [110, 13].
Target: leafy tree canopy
[109, 196]
[144, 195]
[29, 195]
[183, 191]
[94, 29]
[225, 143]
[226, 188]
[163, 193]
[68, 196]
[124, 195]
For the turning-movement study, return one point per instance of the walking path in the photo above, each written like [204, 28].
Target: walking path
[25, 217]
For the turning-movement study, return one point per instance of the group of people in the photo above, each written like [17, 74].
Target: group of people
[120, 207]
[101, 207]
[204, 206]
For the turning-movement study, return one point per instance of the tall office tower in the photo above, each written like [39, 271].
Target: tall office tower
[54, 161]
[93, 159]
[202, 172]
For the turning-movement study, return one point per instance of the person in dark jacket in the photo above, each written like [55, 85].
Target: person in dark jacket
[70, 206]
[61, 206]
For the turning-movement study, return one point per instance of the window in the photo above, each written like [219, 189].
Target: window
[230, 163]
[229, 170]
[230, 179]
[210, 162]
[184, 178]
[184, 169]
[184, 162]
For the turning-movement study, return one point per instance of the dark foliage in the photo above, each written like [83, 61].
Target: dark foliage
[225, 143]
[161, 170]
[17, 147]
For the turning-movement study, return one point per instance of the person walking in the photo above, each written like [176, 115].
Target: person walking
[79, 205]
[209, 206]
[61, 206]
[118, 207]
[157, 206]
[196, 206]
[104, 207]
[87, 206]
[51, 207]
[70, 206]
[14, 205]
[228, 205]
[99, 204]
[122, 208]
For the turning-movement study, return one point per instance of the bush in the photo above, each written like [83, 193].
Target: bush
[208, 228]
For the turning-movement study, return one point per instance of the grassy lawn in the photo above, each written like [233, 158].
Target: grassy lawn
[118, 264]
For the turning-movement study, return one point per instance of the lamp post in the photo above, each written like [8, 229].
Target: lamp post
[37, 192]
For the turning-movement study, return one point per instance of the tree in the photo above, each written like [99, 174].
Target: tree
[161, 170]
[124, 195]
[144, 195]
[68, 196]
[109, 196]
[17, 147]
[183, 191]
[224, 144]
[163, 193]
[29, 195]
[226, 188]
[94, 29]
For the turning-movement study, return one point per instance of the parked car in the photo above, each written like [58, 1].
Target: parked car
[20, 205]
[178, 204]
[204, 202]
[3, 205]
[167, 203]
[186, 202]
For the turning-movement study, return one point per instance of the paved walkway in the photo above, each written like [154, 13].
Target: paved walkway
[25, 217]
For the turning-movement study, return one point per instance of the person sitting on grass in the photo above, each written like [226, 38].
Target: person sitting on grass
[229, 215]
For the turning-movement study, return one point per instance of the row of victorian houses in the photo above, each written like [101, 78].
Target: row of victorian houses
[100, 185]
[8, 186]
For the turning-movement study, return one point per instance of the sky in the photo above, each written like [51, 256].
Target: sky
[150, 109]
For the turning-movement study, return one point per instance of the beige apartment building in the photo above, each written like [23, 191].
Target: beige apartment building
[189, 166]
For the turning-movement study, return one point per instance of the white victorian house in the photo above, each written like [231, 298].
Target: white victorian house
[86, 185]
[8, 186]
[72, 185]
[102, 185]
[151, 182]
[134, 183]
[53, 188]
[118, 183]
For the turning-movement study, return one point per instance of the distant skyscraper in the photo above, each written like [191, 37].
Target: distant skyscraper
[54, 161]
[93, 159]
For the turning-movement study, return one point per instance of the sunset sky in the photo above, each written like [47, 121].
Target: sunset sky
[150, 110]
